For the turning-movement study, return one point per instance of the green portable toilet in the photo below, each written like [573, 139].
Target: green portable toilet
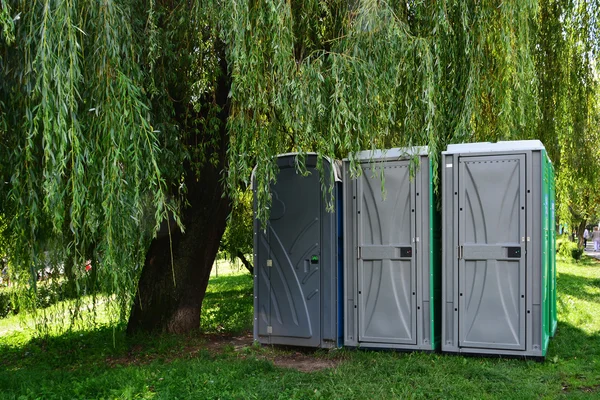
[498, 263]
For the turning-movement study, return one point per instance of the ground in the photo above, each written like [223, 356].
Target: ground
[297, 358]
[223, 362]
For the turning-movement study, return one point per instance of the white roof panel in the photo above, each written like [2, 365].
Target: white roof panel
[488, 147]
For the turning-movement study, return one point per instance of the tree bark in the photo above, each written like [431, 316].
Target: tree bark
[177, 266]
[170, 293]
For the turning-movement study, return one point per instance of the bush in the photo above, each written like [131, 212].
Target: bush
[6, 305]
[560, 242]
[46, 295]
[569, 249]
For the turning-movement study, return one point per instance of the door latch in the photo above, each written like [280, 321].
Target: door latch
[514, 252]
[405, 251]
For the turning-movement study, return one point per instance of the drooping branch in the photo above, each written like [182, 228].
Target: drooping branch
[245, 261]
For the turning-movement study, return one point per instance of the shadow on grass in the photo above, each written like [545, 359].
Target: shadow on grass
[571, 341]
[224, 312]
[580, 287]
[68, 350]
[230, 309]
[574, 355]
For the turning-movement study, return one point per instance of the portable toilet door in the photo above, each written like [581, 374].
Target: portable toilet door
[296, 261]
[391, 263]
[496, 266]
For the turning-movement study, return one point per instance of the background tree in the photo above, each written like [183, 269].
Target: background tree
[237, 240]
[567, 50]
[124, 123]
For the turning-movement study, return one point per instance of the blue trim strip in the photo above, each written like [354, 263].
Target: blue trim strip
[340, 257]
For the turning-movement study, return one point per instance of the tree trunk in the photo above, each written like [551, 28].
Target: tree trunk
[170, 294]
[245, 261]
[177, 266]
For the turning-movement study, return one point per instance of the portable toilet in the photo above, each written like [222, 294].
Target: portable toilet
[296, 262]
[498, 263]
[391, 252]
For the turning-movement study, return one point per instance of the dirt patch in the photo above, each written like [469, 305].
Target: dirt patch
[223, 343]
[584, 389]
[590, 389]
[191, 346]
[300, 359]
[304, 363]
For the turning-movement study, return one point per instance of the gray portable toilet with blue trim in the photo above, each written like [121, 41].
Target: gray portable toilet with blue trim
[297, 267]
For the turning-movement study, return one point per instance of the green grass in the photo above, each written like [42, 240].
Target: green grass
[86, 364]
[225, 267]
[228, 304]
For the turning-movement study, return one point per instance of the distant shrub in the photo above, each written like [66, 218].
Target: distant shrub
[6, 304]
[560, 242]
[12, 299]
[569, 249]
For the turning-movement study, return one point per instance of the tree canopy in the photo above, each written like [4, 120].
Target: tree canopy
[109, 111]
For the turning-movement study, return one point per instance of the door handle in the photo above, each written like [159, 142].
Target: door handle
[514, 252]
[406, 251]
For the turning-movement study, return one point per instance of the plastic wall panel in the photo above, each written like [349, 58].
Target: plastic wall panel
[449, 253]
[552, 278]
[535, 256]
[434, 250]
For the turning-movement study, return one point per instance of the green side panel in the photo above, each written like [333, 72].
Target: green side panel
[545, 220]
[553, 313]
[435, 258]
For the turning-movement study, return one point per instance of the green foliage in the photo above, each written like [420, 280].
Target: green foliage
[561, 241]
[7, 24]
[48, 292]
[4, 245]
[392, 74]
[570, 250]
[238, 236]
[568, 75]
[80, 152]
[6, 302]
[86, 363]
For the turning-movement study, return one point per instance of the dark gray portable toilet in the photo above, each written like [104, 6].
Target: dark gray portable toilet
[391, 252]
[497, 268]
[296, 289]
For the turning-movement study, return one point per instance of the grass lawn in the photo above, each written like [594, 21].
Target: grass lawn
[222, 363]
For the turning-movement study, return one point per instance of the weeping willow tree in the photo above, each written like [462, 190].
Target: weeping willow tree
[128, 127]
[568, 44]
